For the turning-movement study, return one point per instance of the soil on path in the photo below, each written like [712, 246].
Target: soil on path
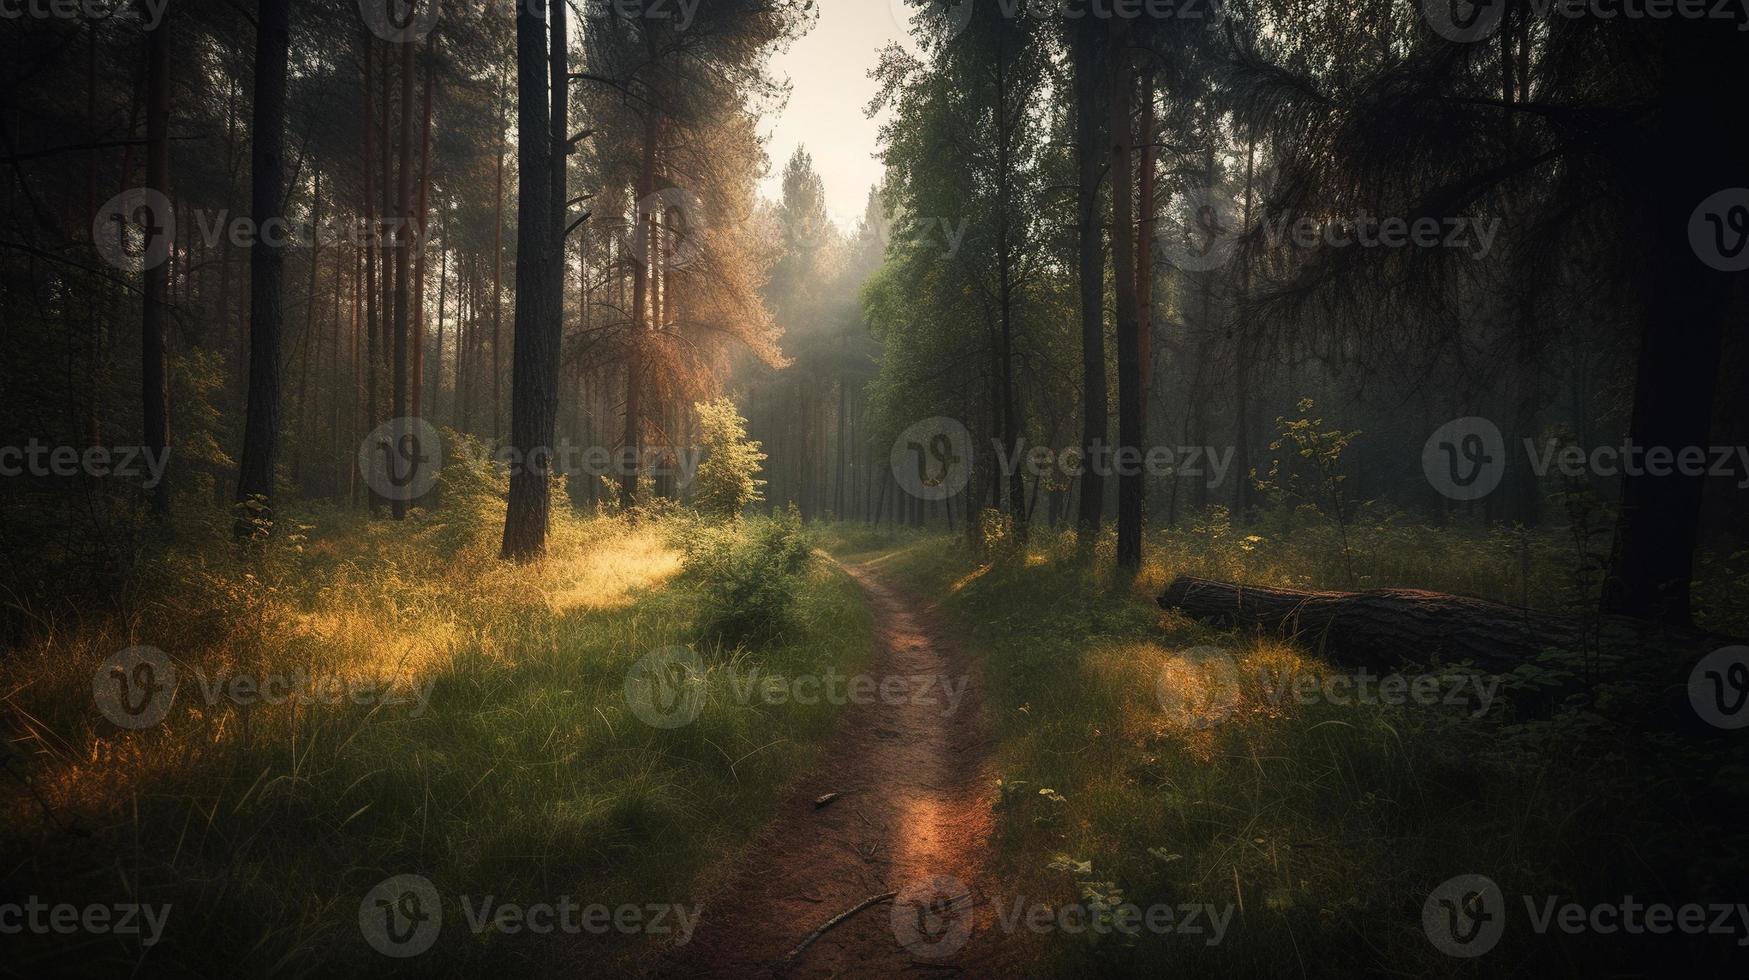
[913, 816]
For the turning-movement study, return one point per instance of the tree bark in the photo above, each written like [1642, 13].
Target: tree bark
[266, 261]
[535, 380]
[154, 380]
[1090, 262]
[1687, 304]
[1129, 377]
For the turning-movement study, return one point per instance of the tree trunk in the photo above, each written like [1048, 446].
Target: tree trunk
[266, 262]
[373, 336]
[1687, 303]
[419, 241]
[534, 389]
[404, 238]
[154, 379]
[1090, 262]
[1129, 377]
[634, 429]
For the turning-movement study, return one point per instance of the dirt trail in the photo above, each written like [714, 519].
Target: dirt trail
[913, 817]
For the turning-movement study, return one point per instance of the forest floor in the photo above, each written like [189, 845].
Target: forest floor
[900, 842]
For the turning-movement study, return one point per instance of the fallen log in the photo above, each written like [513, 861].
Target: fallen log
[1383, 629]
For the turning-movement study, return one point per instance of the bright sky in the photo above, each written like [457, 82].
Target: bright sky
[828, 70]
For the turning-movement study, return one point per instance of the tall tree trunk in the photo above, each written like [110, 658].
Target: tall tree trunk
[1242, 364]
[419, 241]
[373, 330]
[266, 261]
[498, 269]
[154, 379]
[1687, 304]
[1129, 376]
[405, 233]
[1090, 263]
[534, 389]
[634, 429]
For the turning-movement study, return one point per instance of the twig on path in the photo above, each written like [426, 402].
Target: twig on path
[790, 958]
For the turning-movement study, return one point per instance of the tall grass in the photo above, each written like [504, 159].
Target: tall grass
[1323, 824]
[522, 776]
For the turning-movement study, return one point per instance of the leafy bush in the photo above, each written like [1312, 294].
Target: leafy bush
[727, 480]
[747, 576]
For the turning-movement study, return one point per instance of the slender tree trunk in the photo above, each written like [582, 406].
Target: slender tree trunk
[1090, 262]
[373, 331]
[419, 241]
[266, 262]
[535, 384]
[1129, 375]
[1242, 365]
[628, 486]
[154, 380]
[405, 234]
[498, 269]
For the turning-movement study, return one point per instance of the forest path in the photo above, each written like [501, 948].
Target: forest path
[913, 816]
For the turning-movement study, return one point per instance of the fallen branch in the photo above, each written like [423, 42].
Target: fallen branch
[790, 958]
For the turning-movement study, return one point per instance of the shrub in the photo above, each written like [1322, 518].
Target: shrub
[747, 576]
[727, 480]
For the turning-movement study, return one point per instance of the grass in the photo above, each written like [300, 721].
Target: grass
[524, 776]
[1322, 825]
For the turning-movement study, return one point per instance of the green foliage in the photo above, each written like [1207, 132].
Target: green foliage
[727, 479]
[746, 577]
[1308, 466]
